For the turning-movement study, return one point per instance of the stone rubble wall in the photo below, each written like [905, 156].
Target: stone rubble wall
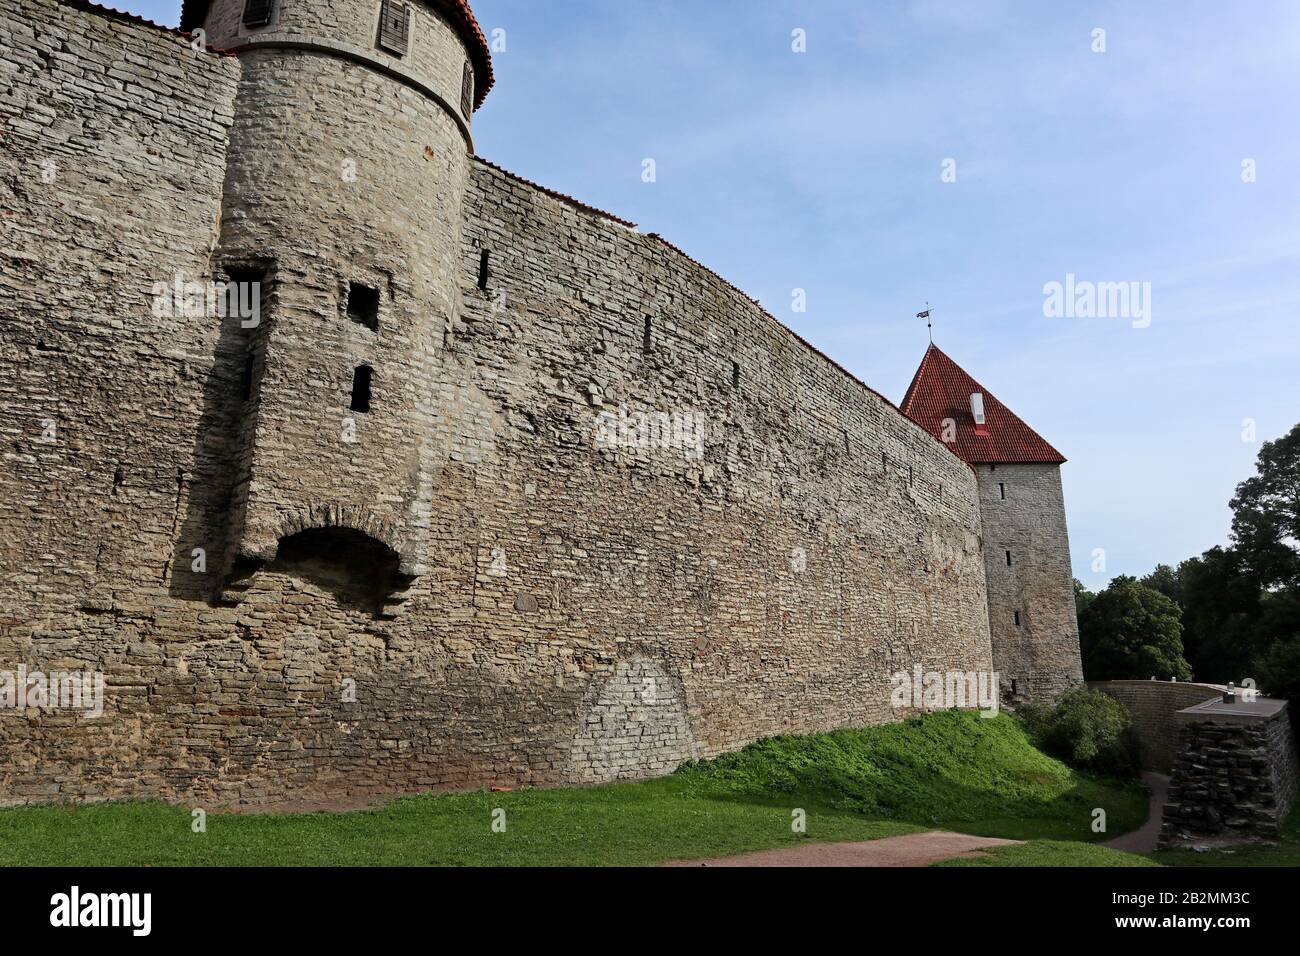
[821, 542]
[112, 166]
[587, 607]
[1231, 783]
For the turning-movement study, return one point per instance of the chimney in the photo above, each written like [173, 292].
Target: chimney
[977, 412]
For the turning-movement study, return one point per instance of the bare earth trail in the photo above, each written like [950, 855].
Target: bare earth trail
[1144, 838]
[911, 849]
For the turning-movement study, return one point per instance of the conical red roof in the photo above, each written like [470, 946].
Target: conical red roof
[941, 390]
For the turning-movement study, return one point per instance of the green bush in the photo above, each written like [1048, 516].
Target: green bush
[1087, 729]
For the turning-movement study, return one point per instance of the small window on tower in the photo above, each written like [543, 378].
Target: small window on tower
[1017, 618]
[363, 305]
[484, 269]
[1002, 490]
[257, 13]
[361, 388]
[1008, 559]
[394, 26]
[467, 90]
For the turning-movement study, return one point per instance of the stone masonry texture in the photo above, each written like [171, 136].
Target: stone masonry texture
[1153, 706]
[498, 573]
[1232, 782]
[1032, 619]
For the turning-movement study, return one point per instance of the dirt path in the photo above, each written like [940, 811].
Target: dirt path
[912, 849]
[1144, 838]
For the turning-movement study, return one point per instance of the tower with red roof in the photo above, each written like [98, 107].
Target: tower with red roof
[1030, 587]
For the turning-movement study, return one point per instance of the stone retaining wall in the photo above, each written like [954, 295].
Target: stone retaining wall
[1232, 782]
[1154, 707]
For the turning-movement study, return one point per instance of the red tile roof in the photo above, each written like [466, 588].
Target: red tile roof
[941, 390]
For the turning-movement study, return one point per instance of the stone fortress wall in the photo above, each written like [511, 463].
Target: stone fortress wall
[1032, 619]
[478, 580]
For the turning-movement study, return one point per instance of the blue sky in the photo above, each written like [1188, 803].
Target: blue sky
[822, 171]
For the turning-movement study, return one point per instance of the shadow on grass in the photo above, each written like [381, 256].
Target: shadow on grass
[1068, 816]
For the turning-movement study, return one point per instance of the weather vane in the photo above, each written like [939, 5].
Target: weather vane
[926, 315]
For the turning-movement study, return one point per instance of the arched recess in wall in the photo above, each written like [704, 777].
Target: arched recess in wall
[359, 571]
[333, 515]
[344, 550]
[633, 723]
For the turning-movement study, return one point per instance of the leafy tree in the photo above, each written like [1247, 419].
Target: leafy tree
[1280, 671]
[1082, 597]
[1241, 605]
[1130, 631]
[1221, 612]
[1266, 514]
[1167, 581]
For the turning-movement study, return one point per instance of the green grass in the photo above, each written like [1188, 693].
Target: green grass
[1050, 853]
[951, 770]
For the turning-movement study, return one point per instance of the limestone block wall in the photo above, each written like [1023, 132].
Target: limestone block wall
[114, 149]
[596, 600]
[111, 166]
[817, 542]
[340, 175]
[1032, 620]
[1154, 705]
[1231, 782]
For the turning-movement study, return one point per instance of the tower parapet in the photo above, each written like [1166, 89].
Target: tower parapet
[435, 46]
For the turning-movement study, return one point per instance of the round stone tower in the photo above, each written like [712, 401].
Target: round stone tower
[343, 199]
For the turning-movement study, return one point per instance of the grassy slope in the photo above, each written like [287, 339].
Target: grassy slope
[951, 769]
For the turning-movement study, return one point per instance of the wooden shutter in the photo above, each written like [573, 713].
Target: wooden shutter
[394, 26]
[257, 13]
[467, 90]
